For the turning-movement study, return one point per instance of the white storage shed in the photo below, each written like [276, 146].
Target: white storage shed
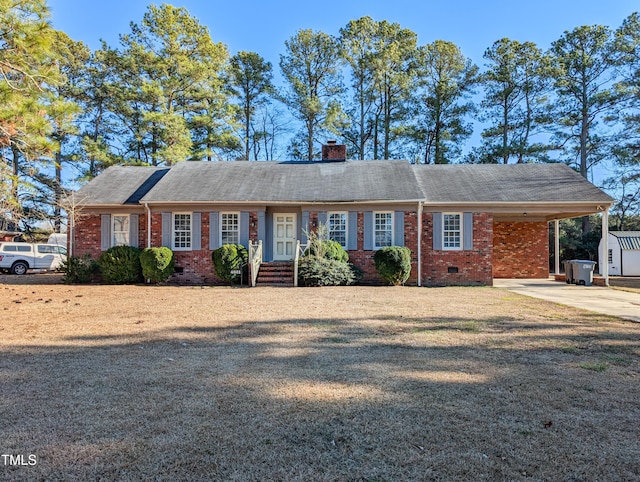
[624, 253]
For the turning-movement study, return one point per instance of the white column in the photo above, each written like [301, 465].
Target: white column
[420, 243]
[556, 243]
[604, 268]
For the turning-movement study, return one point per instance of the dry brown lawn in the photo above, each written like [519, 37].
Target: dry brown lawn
[360, 383]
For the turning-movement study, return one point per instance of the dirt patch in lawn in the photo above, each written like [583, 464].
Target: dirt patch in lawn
[360, 383]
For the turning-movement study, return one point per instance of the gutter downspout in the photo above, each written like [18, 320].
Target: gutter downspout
[146, 206]
[420, 243]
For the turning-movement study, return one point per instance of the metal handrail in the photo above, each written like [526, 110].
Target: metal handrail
[255, 260]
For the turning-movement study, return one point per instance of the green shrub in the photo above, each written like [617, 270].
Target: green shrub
[229, 258]
[327, 248]
[157, 264]
[358, 273]
[393, 264]
[79, 269]
[314, 271]
[120, 265]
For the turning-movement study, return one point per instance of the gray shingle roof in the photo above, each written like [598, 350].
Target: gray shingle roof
[349, 181]
[629, 240]
[287, 182]
[505, 183]
[120, 185]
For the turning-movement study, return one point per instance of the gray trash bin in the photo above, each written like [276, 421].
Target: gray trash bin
[568, 270]
[582, 271]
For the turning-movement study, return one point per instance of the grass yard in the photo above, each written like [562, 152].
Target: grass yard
[360, 383]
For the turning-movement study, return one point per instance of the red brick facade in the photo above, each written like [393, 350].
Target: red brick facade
[521, 250]
[500, 249]
[87, 236]
[463, 267]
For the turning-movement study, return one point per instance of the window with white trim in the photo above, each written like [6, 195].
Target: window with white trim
[181, 234]
[120, 230]
[337, 222]
[452, 231]
[382, 229]
[229, 228]
[610, 256]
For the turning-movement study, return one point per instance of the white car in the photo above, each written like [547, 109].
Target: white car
[17, 258]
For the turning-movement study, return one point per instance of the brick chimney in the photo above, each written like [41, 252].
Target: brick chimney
[332, 151]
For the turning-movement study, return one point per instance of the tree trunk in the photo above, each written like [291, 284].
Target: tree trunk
[57, 210]
[505, 133]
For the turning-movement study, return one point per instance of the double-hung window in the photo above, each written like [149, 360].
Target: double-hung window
[383, 229]
[338, 227]
[452, 231]
[120, 230]
[182, 231]
[229, 228]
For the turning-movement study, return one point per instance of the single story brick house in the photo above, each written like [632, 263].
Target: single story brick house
[464, 224]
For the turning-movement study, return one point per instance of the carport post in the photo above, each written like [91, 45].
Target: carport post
[556, 245]
[604, 260]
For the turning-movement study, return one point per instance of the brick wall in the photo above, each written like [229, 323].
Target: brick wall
[465, 267]
[88, 239]
[501, 250]
[521, 250]
[87, 236]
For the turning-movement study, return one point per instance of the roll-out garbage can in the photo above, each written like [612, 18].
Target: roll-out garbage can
[568, 270]
[582, 271]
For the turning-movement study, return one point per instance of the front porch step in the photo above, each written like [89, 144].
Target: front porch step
[275, 273]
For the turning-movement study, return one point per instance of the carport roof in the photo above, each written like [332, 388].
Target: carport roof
[505, 183]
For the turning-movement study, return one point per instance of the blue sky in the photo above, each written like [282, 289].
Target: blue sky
[263, 26]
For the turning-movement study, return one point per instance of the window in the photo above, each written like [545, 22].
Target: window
[451, 231]
[229, 228]
[383, 230]
[120, 230]
[338, 228]
[611, 256]
[182, 231]
[52, 248]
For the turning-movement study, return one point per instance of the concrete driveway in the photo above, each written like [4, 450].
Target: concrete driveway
[608, 301]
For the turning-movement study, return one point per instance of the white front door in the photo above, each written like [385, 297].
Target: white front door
[284, 236]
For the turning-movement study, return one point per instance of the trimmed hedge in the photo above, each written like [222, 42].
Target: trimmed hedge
[229, 258]
[157, 264]
[120, 265]
[393, 264]
[314, 271]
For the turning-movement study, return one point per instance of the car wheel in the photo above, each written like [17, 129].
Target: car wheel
[19, 268]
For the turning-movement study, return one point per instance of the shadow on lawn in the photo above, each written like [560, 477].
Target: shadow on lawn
[329, 399]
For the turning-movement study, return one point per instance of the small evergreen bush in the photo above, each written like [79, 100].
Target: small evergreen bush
[324, 262]
[157, 264]
[327, 248]
[120, 265]
[315, 271]
[393, 264]
[229, 258]
[79, 269]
